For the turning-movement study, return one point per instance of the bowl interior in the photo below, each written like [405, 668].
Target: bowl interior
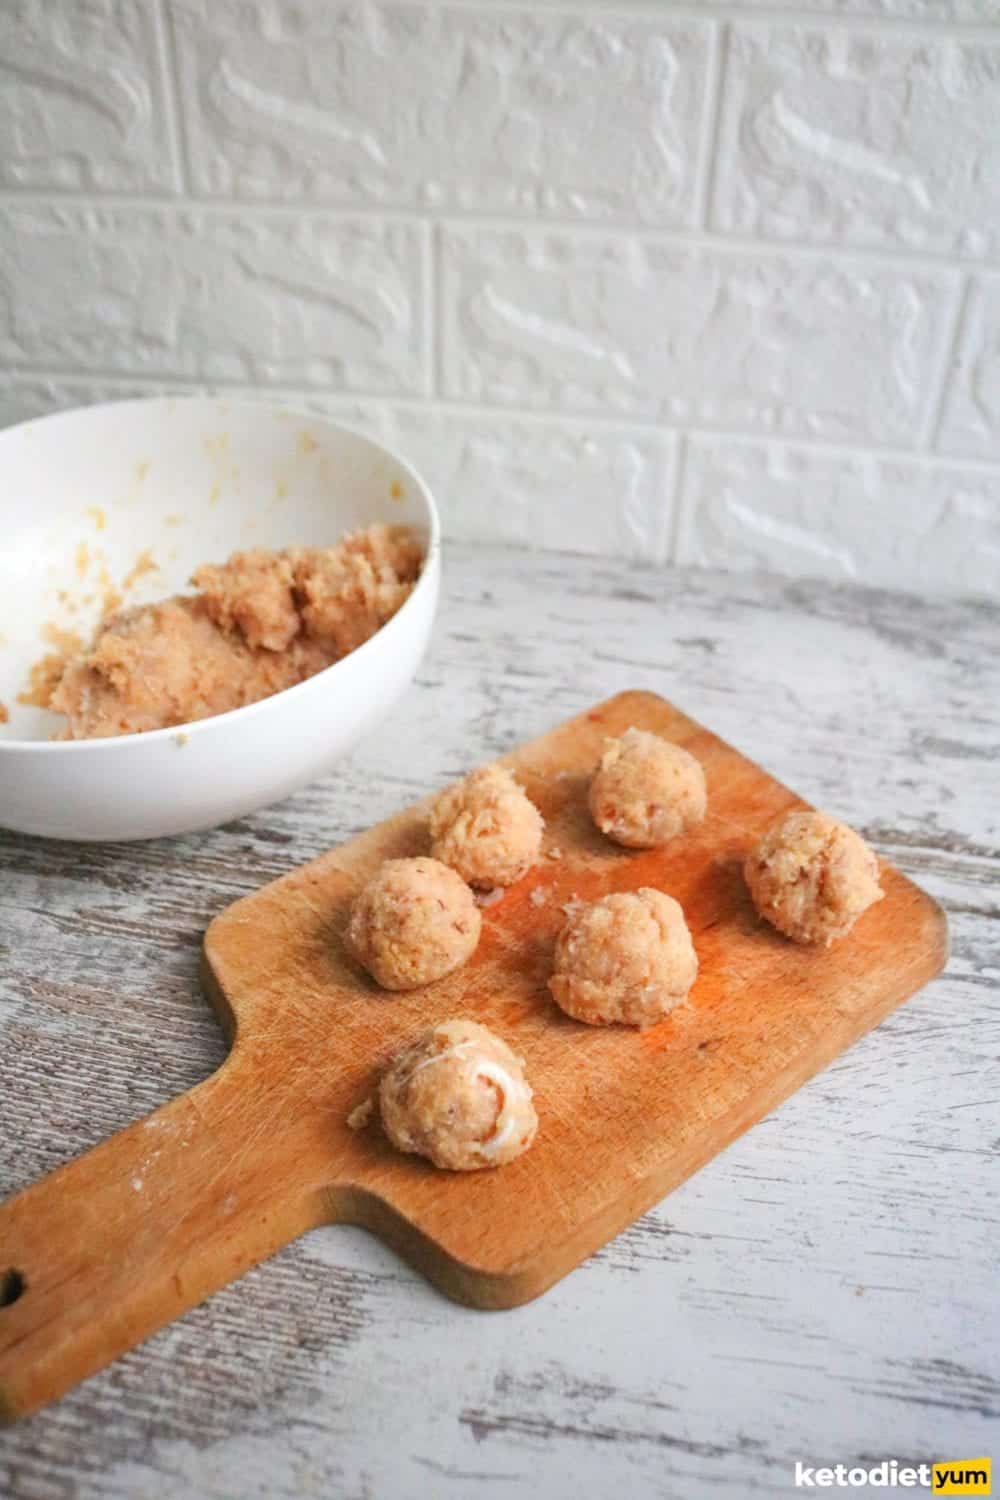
[127, 499]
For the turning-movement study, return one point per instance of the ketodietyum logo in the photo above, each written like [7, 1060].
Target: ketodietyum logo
[967, 1476]
[958, 1476]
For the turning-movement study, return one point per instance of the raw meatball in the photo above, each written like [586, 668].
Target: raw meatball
[812, 877]
[414, 922]
[458, 1095]
[486, 828]
[626, 957]
[646, 791]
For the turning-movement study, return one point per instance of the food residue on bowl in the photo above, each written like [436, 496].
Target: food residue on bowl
[144, 563]
[46, 674]
[259, 623]
[4, 713]
[87, 558]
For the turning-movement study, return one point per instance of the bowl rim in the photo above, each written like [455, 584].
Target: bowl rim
[193, 727]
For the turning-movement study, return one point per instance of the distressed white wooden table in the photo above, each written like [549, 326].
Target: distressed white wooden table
[824, 1291]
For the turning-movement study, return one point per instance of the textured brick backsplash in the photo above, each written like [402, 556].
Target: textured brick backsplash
[713, 283]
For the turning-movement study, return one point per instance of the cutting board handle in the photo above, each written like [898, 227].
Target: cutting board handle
[105, 1250]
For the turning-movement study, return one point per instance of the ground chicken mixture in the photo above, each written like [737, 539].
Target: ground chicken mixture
[414, 922]
[812, 877]
[458, 1095]
[646, 791]
[486, 828]
[626, 958]
[261, 622]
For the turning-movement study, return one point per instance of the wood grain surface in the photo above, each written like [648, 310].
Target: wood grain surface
[112, 1246]
[626, 1115]
[824, 1289]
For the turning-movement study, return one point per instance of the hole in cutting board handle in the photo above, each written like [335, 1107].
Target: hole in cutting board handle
[12, 1285]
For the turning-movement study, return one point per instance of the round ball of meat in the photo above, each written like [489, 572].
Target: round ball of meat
[486, 828]
[627, 957]
[458, 1095]
[646, 791]
[414, 922]
[812, 877]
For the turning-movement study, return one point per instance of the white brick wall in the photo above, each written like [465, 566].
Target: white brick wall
[712, 283]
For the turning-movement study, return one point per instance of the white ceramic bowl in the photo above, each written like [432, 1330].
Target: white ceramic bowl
[86, 494]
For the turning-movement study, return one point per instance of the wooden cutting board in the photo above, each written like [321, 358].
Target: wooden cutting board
[96, 1256]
